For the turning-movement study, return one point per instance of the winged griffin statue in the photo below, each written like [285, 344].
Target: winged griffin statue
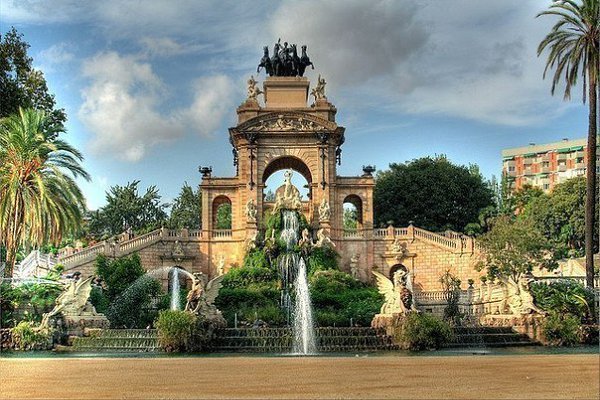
[398, 298]
[201, 298]
[73, 301]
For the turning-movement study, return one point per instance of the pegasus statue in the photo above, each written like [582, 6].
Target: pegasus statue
[73, 301]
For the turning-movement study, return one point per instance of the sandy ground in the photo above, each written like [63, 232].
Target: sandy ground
[463, 377]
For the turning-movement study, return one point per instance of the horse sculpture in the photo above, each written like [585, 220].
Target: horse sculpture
[265, 62]
[304, 62]
[276, 64]
[285, 60]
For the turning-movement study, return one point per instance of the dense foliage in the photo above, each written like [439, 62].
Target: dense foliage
[126, 208]
[26, 336]
[27, 301]
[451, 289]
[23, 86]
[560, 216]
[338, 299]
[39, 198]
[186, 210]
[564, 297]
[223, 217]
[176, 330]
[514, 247]
[562, 329]
[129, 297]
[422, 331]
[432, 192]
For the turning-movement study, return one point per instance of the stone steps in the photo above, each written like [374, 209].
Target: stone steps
[488, 337]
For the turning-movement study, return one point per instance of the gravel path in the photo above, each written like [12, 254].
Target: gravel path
[463, 377]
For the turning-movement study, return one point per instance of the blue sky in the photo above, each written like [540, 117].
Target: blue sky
[150, 87]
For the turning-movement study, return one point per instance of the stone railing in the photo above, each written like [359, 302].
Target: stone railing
[353, 234]
[118, 249]
[436, 238]
[85, 254]
[35, 260]
[222, 233]
[139, 241]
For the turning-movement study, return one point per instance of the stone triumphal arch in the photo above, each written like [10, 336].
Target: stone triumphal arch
[287, 130]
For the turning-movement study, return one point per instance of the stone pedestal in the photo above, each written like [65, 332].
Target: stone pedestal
[286, 92]
[75, 325]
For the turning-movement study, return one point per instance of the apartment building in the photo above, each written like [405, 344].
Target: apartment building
[545, 165]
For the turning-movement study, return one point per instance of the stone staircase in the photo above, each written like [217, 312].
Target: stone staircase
[279, 340]
[118, 341]
[486, 336]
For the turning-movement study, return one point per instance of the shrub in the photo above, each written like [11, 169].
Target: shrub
[422, 331]
[562, 329]
[338, 298]
[176, 330]
[99, 300]
[25, 336]
[564, 297]
[322, 258]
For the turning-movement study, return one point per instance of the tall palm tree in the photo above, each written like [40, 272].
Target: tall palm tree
[39, 199]
[574, 44]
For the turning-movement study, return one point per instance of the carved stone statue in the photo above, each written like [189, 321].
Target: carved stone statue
[221, 265]
[324, 211]
[519, 299]
[398, 298]
[323, 240]
[354, 266]
[74, 302]
[251, 242]
[253, 90]
[201, 298]
[319, 91]
[287, 196]
[251, 211]
[305, 240]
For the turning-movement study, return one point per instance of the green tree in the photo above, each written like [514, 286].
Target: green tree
[515, 202]
[574, 51]
[187, 209]
[560, 216]
[224, 216]
[350, 218]
[39, 199]
[23, 86]
[434, 193]
[126, 208]
[514, 246]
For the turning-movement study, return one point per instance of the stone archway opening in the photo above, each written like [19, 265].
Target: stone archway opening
[273, 178]
[221, 212]
[353, 213]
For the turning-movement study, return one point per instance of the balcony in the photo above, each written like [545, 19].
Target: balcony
[545, 170]
[528, 160]
[221, 233]
[562, 168]
[580, 165]
[580, 154]
[562, 156]
[528, 172]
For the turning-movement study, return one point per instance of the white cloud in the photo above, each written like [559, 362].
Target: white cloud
[466, 59]
[122, 107]
[126, 108]
[213, 101]
[56, 54]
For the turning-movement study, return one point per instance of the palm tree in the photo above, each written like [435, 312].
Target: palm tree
[574, 44]
[39, 199]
